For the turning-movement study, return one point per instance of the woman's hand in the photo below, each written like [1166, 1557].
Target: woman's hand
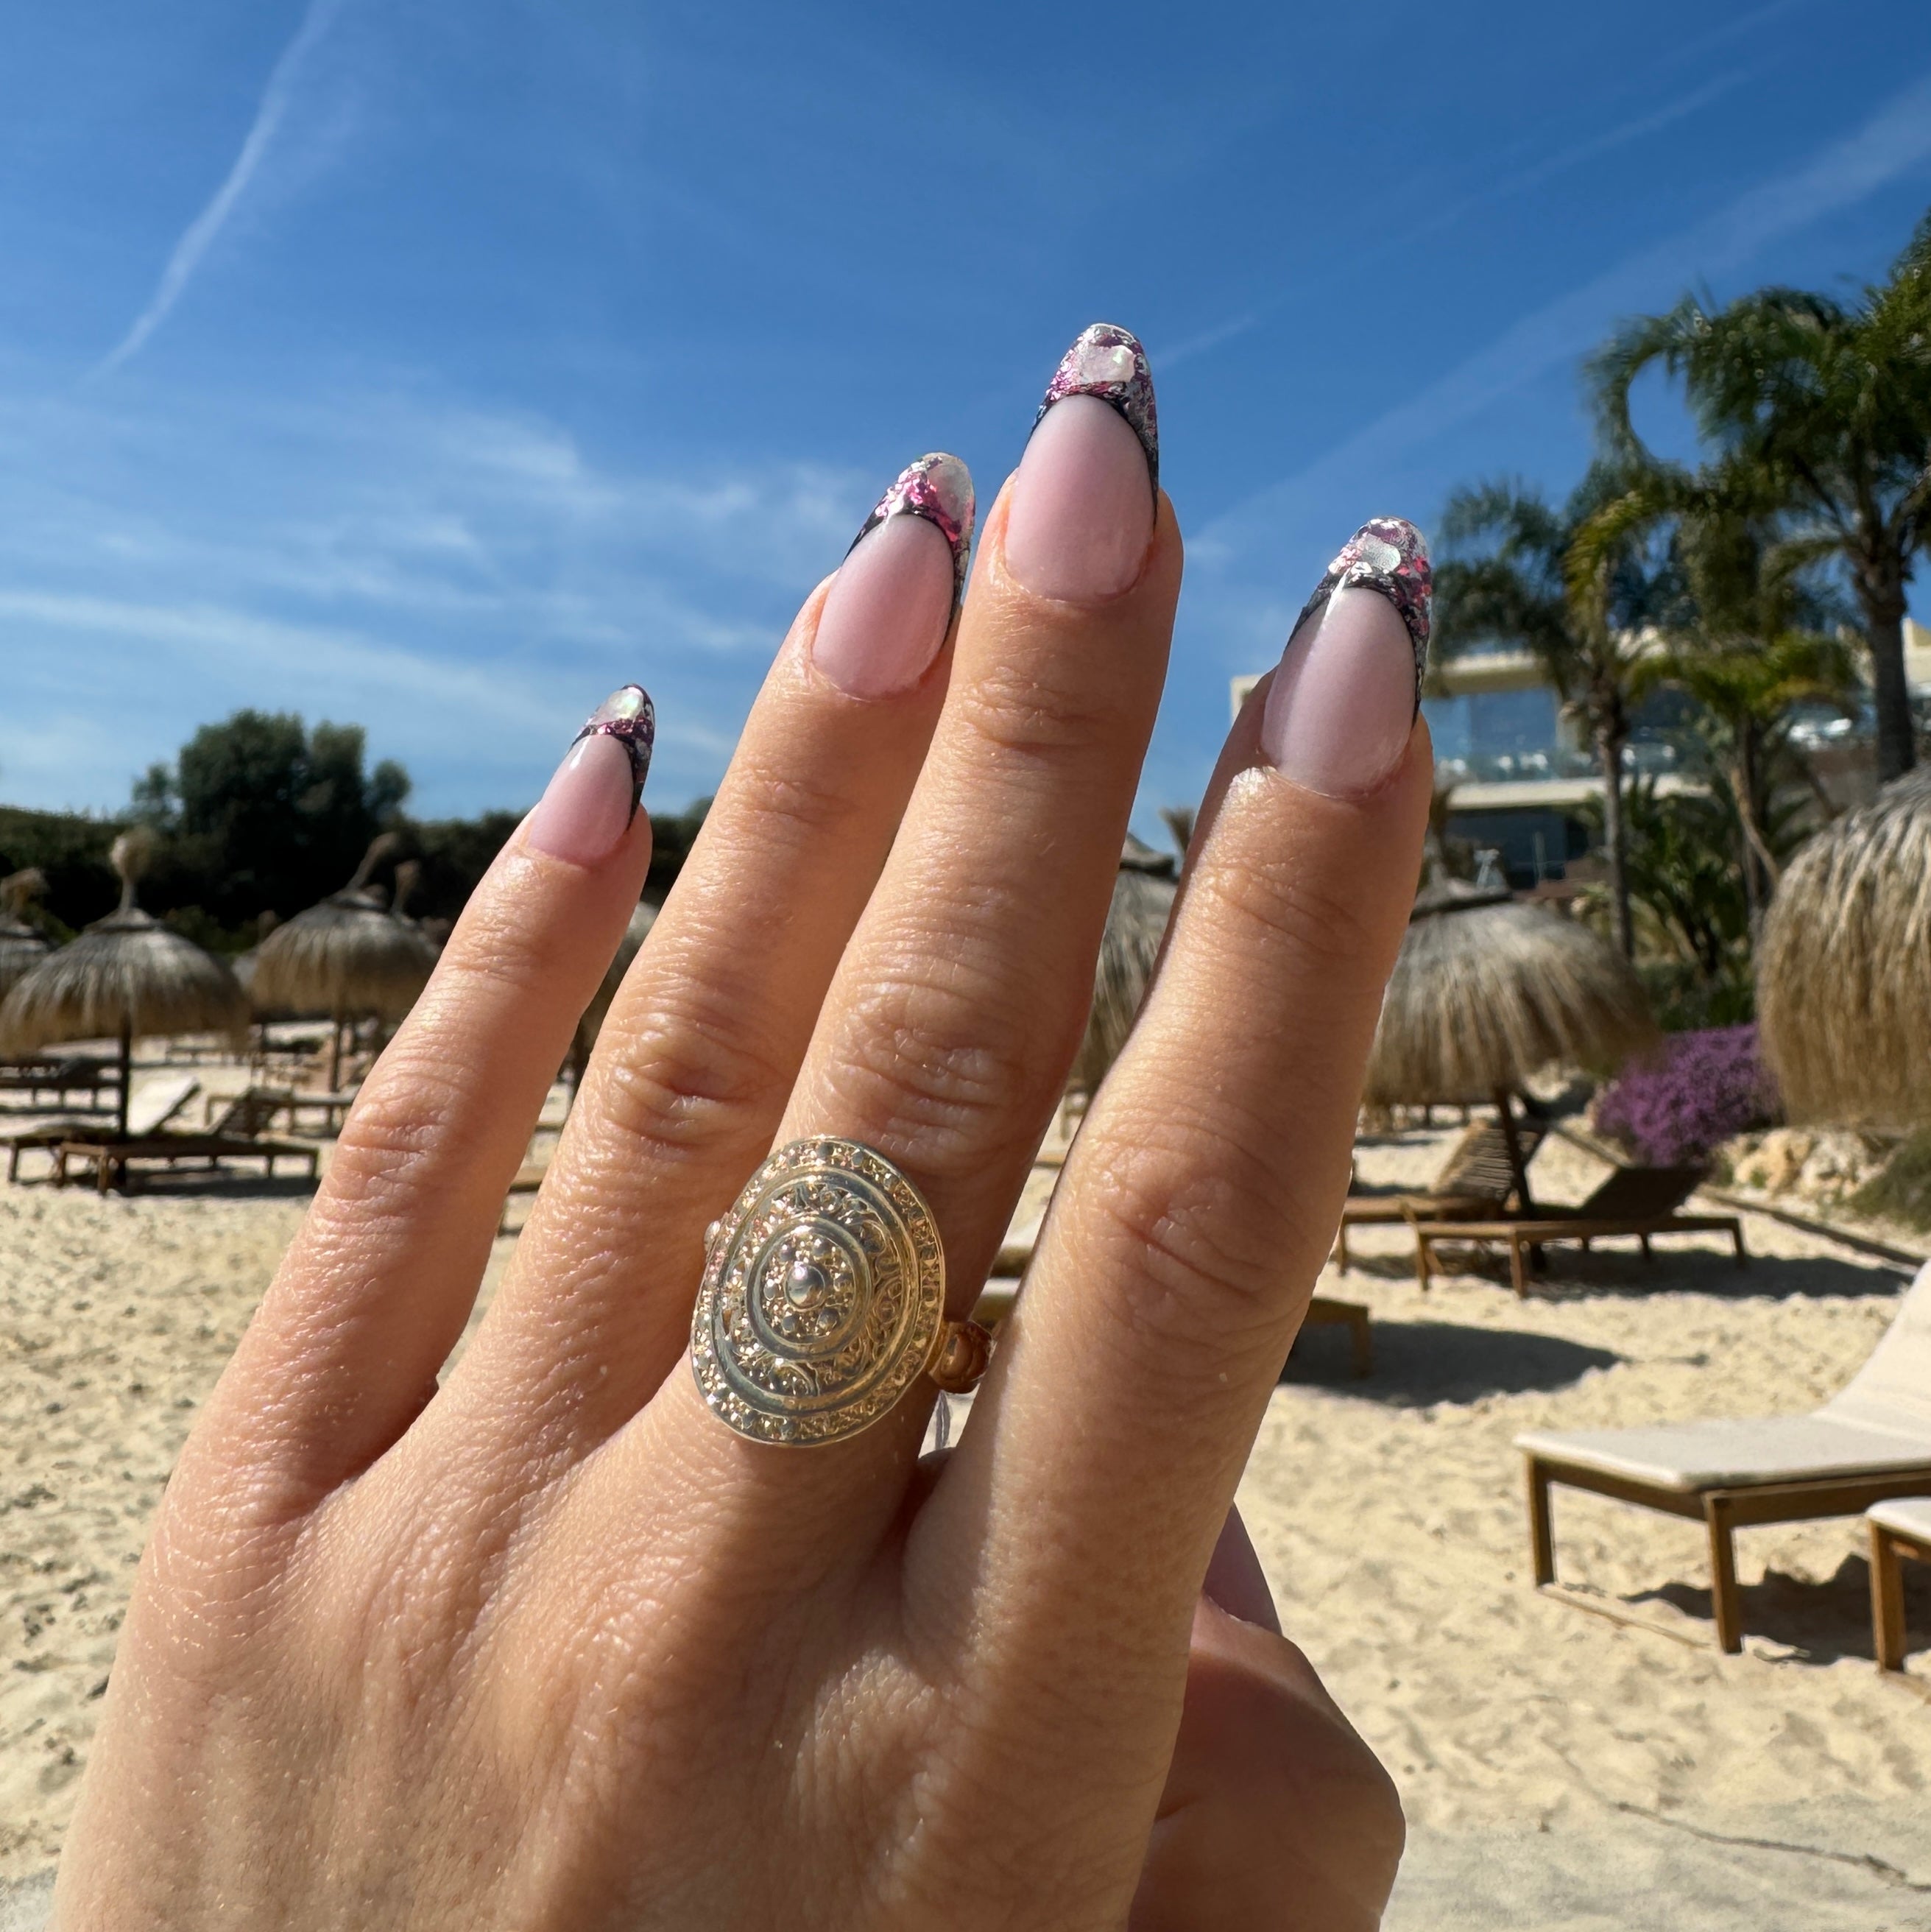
[552, 1645]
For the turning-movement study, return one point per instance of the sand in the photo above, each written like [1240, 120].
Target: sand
[1560, 1770]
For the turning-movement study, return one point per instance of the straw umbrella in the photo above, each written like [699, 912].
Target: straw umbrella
[1143, 889]
[1844, 966]
[1487, 990]
[126, 974]
[347, 957]
[22, 946]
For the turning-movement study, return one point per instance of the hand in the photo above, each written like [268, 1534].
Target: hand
[552, 1646]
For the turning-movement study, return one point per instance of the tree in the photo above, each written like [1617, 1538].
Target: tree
[1825, 408]
[1504, 578]
[266, 814]
[1744, 632]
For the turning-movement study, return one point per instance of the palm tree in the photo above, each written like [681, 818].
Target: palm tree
[1825, 406]
[1746, 634]
[1504, 578]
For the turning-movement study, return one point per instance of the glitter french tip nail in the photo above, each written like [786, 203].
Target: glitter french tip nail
[937, 488]
[1390, 555]
[1107, 361]
[628, 716]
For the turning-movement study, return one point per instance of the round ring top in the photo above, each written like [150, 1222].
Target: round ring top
[823, 1296]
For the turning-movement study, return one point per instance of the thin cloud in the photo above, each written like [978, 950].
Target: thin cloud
[1520, 183]
[1894, 140]
[199, 235]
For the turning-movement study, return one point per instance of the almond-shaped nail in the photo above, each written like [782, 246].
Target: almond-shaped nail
[1083, 501]
[887, 613]
[588, 805]
[1343, 702]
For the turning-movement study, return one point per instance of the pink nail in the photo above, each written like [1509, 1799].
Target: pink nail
[588, 805]
[1235, 1579]
[892, 602]
[1082, 510]
[1342, 704]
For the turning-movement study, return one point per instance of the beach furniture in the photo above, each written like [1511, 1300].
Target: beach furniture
[150, 1110]
[1324, 1312]
[1870, 1442]
[1481, 1176]
[113, 1159]
[1900, 1532]
[1640, 1201]
[59, 1078]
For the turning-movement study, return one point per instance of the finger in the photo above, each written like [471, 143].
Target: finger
[947, 1032]
[1196, 1210]
[374, 1290]
[1275, 1816]
[702, 1043]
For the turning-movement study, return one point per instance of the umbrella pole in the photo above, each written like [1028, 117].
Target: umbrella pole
[126, 1070]
[1505, 1107]
[335, 1055]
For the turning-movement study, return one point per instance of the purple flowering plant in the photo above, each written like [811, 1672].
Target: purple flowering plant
[1676, 1108]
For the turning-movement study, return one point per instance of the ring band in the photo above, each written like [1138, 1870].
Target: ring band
[824, 1298]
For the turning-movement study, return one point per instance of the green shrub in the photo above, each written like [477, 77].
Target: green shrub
[1901, 1192]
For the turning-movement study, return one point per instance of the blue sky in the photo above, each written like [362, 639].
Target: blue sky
[439, 366]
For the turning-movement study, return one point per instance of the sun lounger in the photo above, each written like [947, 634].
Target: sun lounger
[1640, 1201]
[149, 1109]
[36, 1074]
[1870, 1442]
[113, 1159]
[1900, 1530]
[1478, 1178]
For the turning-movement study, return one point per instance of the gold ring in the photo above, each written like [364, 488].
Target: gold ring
[824, 1298]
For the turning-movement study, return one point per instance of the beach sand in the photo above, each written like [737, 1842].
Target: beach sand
[1559, 1769]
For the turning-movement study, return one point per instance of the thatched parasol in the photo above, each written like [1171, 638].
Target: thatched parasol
[1487, 990]
[126, 974]
[347, 957]
[22, 946]
[1136, 922]
[1844, 966]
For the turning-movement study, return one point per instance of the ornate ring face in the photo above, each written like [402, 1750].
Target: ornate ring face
[823, 1298]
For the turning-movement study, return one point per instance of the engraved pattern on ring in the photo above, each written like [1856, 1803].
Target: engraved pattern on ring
[824, 1297]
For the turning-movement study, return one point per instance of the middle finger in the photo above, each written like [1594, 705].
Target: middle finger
[956, 1010]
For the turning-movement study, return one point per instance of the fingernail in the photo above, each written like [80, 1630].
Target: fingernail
[895, 594]
[587, 807]
[1235, 1580]
[1343, 702]
[1082, 510]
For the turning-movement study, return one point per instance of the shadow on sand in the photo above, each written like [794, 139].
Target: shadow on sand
[1418, 1363]
[1820, 1622]
[1618, 1268]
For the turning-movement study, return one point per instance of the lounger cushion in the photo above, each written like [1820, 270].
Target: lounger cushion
[1692, 1456]
[1909, 1516]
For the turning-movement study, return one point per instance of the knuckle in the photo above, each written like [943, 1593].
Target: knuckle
[1286, 907]
[921, 1063]
[1017, 714]
[1206, 1256]
[769, 800]
[688, 1070]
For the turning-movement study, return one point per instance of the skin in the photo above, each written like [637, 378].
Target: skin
[549, 1646]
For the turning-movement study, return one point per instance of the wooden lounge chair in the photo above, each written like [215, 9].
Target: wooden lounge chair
[1870, 1441]
[1900, 1531]
[149, 1110]
[111, 1160]
[1481, 1177]
[1641, 1202]
[35, 1074]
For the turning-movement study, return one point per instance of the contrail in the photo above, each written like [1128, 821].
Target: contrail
[199, 236]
